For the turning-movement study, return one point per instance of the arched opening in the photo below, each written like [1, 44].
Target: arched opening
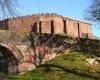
[34, 27]
[8, 62]
[65, 27]
[40, 28]
[52, 26]
[78, 25]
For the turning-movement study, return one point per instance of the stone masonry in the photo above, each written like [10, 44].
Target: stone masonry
[20, 54]
[48, 23]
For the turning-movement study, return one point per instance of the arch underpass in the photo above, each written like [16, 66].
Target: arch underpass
[8, 59]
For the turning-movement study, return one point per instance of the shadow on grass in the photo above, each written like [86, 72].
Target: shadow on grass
[67, 70]
[89, 53]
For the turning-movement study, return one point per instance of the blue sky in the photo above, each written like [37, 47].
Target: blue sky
[72, 8]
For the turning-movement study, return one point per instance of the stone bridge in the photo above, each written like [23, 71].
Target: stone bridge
[15, 49]
[19, 53]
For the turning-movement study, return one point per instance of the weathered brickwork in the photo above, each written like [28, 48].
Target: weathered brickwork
[21, 54]
[17, 40]
[48, 23]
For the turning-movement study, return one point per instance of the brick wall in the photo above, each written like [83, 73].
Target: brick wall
[48, 23]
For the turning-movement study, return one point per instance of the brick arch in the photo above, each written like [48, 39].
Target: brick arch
[14, 50]
[8, 61]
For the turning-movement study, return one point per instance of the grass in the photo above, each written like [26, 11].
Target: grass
[65, 67]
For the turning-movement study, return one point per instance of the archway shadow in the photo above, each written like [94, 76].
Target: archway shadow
[67, 70]
[8, 62]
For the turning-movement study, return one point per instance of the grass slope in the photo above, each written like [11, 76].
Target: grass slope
[65, 67]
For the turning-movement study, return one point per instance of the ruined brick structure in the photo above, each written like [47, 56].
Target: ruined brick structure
[16, 40]
[48, 23]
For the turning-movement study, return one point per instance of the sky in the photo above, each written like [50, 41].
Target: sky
[71, 8]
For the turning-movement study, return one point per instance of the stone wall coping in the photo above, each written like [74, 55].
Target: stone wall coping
[70, 18]
[48, 14]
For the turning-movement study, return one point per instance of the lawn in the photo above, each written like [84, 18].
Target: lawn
[72, 66]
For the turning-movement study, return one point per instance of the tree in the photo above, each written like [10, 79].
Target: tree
[7, 7]
[94, 11]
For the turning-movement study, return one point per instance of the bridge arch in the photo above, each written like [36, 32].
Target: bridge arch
[10, 58]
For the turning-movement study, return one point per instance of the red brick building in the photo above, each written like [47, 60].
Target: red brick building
[48, 23]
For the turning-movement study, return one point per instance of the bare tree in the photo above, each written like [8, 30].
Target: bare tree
[7, 7]
[94, 11]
